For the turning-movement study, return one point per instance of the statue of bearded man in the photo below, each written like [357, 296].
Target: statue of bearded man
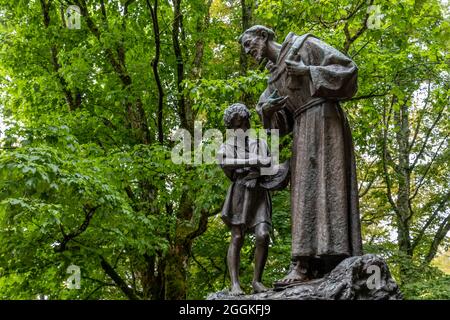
[308, 79]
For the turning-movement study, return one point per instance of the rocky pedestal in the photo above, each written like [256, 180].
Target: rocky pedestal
[364, 277]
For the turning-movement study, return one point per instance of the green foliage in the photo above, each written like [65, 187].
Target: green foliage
[206, 93]
[425, 282]
[81, 183]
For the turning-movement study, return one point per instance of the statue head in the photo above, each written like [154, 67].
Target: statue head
[237, 116]
[255, 40]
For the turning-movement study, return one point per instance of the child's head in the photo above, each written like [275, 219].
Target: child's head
[237, 116]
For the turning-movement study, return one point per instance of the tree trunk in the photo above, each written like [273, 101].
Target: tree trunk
[177, 259]
[183, 109]
[246, 7]
[154, 63]
[176, 272]
[403, 178]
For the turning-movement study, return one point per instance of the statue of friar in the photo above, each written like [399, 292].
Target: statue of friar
[307, 80]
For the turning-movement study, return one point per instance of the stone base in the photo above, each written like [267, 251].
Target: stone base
[364, 277]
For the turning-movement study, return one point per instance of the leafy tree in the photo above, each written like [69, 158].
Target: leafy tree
[89, 116]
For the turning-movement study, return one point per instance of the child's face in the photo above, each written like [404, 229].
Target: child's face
[239, 122]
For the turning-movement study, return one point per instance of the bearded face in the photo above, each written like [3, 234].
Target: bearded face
[255, 45]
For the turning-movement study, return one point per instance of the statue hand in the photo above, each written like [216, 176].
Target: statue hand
[297, 68]
[273, 104]
[250, 183]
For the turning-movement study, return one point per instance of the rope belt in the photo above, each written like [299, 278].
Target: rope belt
[312, 103]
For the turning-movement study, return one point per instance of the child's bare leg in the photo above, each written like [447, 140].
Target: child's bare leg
[262, 237]
[233, 258]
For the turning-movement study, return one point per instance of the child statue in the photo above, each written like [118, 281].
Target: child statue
[247, 206]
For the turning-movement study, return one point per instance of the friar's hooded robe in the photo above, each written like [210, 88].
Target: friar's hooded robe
[324, 193]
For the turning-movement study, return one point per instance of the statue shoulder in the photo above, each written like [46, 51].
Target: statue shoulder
[299, 40]
[290, 36]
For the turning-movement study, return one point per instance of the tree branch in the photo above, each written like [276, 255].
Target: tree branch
[71, 102]
[203, 223]
[422, 149]
[154, 64]
[430, 220]
[369, 96]
[181, 104]
[384, 157]
[363, 193]
[104, 16]
[422, 179]
[135, 112]
[352, 13]
[89, 213]
[444, 228]
[117, 66]
[205, 271]
[419, 121]
[349, 39]
[109, 270]
[246, 20]
[200, 43]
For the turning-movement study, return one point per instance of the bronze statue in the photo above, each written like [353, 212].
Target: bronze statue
[247, 205]
[307, 80]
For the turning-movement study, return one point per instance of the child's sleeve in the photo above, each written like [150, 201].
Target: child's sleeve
[225, 151]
